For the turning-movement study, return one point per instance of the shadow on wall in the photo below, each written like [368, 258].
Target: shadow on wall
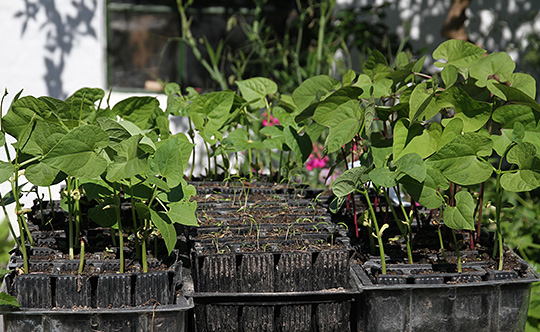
[61, 31]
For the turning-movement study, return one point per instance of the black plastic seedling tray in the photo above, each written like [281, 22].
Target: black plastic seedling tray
[324, 310]
[410, 298]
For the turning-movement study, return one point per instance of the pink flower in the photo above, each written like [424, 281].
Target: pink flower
[273, 121]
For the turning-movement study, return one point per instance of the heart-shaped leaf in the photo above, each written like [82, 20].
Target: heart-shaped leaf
[461, 215]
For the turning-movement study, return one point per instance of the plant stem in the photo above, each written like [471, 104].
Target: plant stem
[81, 258]
[458, 255]
[441, 242]
[379, 236]
[144, 240]
[400, 226]
[135, 226]
[120, 232]
[70, 219]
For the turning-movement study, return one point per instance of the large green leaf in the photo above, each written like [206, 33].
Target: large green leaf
[129, 160]
[517, 96]
[413, 165]
[43, 175]
[75, 154]
[210, 112]
[460, 216]
[104, 214]
[422, 104]
[183, 212]
[275, 137]
[300, 144]
[349, 181]
[499, 66]
[238, 140]
[426, 192]
[381, 88]
[171, 159]
[313, 90]
[475, 114]
[527, 177]
[415, 139]
[343, 116]
[509, 114]
[459, 53]
[165, 227]
[524, 82]
[453, 128]
[82, 106]
[459, 160]
[142, 111]
[376, 66]
[255, 89]
[383, 177]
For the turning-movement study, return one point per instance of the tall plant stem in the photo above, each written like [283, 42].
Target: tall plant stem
[498, 204]
[144, 240]
[120, 232]
[209, 160]
[400, 226]
[77, 210]
[278, 180]
[458, 255]
[326, 10]
[20, 222]
[51, 203]
[407, 219]
[441, 243]
[480, 206]
[135, 226]
[70, 220]
[379, 236]
[20, 241]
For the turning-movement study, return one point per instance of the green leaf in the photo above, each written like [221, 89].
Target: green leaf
[43, 175]
[415, 139]
[461, 215]
[165, 227]
[369, 116]
[183, 212]
[313, 90]
[459, 53]
[210, 112]
[376, 66]
[498, 66]
[381, 88]
[82, 105]
[275, 137]
[515, 95]
[349, 181]
[6, 171]
[6, 299]
[383, 177]
[508, 115]
[525, 83]
[459, 160]
[239, 140]
[142, 111]
[94, 189]
[171, 159]
[449, 75]
[343, 116]
[425, 192]
[129, 160]
[413, 165]
[475, 114]
[453, 128]
[255, 89]
[104, 214]
[422, 104]
[527, 177]
[75, 154]
[348, 77]
[300, 144]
